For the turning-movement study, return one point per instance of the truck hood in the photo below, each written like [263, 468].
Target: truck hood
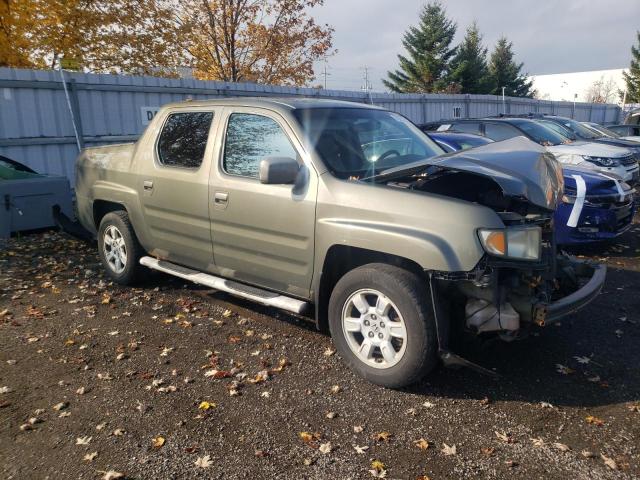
[522, 169]
[589, 148]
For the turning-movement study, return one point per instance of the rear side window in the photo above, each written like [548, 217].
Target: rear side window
[466, 127]
[498, 132]
[183, 139]
[250, 138]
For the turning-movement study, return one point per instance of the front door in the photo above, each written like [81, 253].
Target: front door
[173, 181]
[262, 234]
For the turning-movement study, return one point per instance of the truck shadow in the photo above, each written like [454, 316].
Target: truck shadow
[590, 359]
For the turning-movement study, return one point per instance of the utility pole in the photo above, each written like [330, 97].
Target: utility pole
[324, 72]
[366, 87]
[504, 104]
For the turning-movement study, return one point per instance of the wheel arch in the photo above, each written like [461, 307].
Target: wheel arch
[341, 259]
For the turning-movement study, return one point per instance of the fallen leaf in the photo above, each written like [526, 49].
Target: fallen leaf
[609, 462]
[561, 446]
[309, 437]
[325, 448]
[362, 449]
[377, 465]
[89, 457]
[537, 442]
[157, 442]
[563, 369]
[112, 475]
[60, 406]
[358, 429]
[382, 436]
[422, 444]
[587, 454]
[449, 450]
[5, 390]
[428, 405]
[505, 437]
[546, 405]
[206, 405]
[118, 432]
[336, 389]
[594, 420]
[583, 360]
[203, 462]
[83, 440]
[329, 351]
[488, 451]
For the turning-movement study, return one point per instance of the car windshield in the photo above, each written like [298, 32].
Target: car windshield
[603, 130]
[362, 142]
[579, 129]
[541, 133]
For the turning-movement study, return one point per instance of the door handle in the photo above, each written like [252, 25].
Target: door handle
[147, 185]
[220, 197]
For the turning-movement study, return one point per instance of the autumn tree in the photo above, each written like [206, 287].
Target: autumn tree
[128, 36]
[632, 77]
[14, 42]
[425, 68]
[505, 72]
[263, 41]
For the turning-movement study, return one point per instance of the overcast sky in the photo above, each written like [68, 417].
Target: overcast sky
[549, 36]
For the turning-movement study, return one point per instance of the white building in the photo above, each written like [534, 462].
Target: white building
[577, 85]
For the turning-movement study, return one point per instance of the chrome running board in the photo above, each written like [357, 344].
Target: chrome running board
[254, 294]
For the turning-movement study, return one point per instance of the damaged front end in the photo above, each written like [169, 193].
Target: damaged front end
[521, 281]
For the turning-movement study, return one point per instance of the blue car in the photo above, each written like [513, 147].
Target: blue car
[595, 207]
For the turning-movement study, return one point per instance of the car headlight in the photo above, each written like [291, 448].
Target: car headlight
[604, 161]
[516, 242]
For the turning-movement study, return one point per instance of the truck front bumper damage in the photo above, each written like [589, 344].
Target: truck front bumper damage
[596, 274]
[588, 279]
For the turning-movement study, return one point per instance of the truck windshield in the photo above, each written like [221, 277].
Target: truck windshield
[361, 142]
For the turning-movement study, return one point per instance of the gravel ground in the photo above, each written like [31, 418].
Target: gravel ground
[175, 381]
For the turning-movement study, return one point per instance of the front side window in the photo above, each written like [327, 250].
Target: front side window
[499, 132]
[361, 142]
[251, 138]
[183, 139]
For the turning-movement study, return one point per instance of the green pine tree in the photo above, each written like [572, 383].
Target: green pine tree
[426, 67]
[505, 72]
[632, 79]
[469, 70]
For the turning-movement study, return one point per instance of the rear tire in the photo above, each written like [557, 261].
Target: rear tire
[382, 324]
[119, 249]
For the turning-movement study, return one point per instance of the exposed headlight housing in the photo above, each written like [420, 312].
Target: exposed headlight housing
[522, 243]
[603, 161]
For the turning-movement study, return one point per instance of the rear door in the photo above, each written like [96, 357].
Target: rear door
[173, 181]
[262, 234]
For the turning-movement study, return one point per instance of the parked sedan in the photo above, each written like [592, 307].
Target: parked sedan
[595, 207]
[604, 158]
[453, 142]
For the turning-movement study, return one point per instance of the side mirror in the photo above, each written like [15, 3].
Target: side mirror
[278, 170]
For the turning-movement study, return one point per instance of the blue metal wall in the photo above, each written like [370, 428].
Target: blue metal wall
[36, 127]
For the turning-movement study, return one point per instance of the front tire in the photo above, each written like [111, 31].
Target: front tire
[119, 249]
[382, 324]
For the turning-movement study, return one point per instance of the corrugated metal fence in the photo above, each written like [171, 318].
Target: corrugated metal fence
[36, 127]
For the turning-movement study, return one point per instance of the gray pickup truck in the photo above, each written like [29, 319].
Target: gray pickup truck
[343, 212]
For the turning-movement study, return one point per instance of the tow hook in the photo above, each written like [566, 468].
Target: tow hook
[450, 359]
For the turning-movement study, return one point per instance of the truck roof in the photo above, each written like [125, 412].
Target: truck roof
[278, 103]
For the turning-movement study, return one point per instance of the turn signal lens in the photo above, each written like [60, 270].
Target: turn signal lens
[514, 242]
[494, 241]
